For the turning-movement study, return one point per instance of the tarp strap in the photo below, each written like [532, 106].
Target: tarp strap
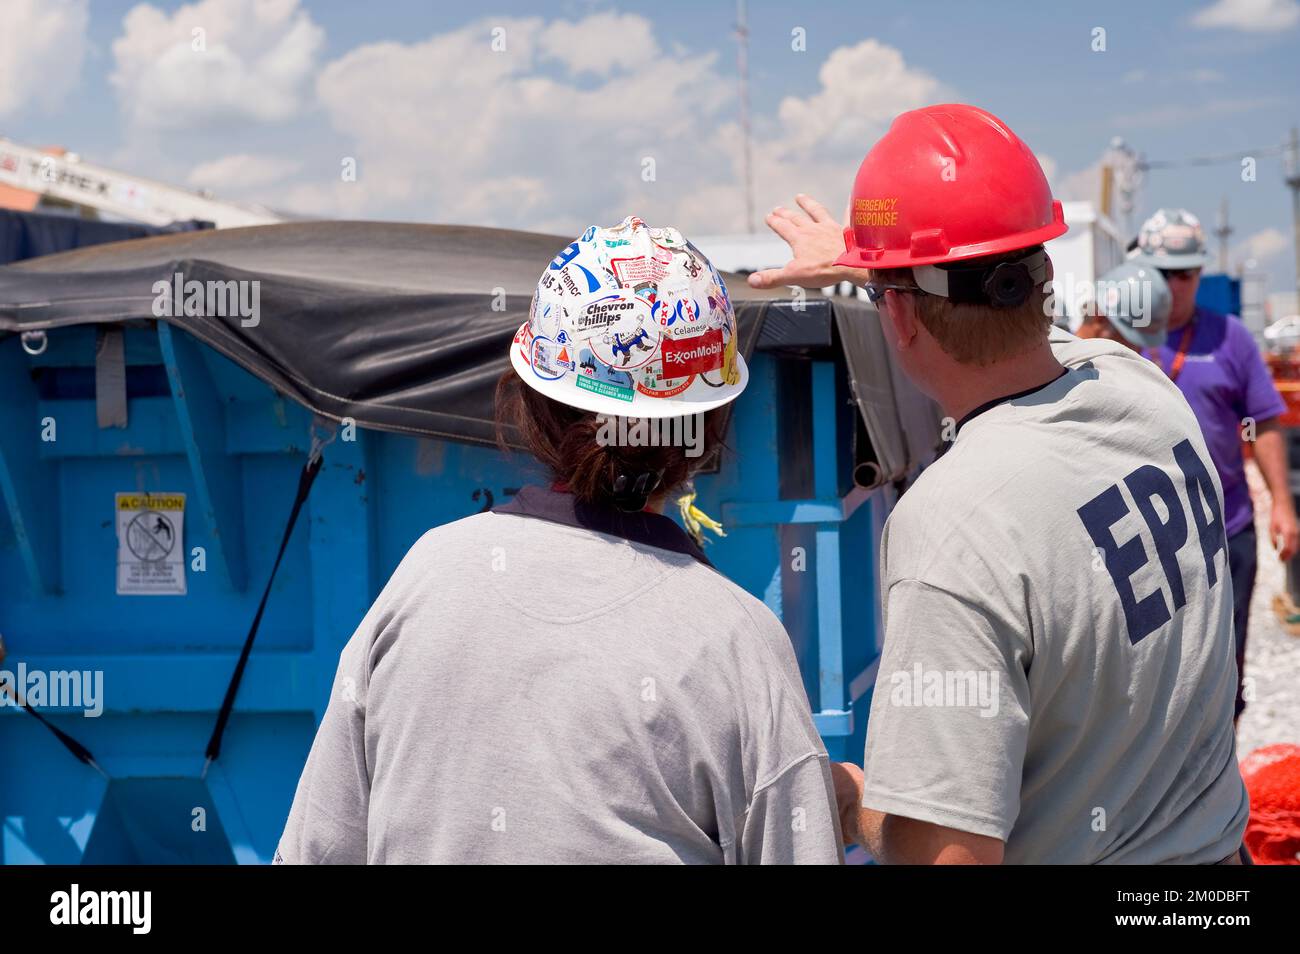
[305, 481]
[81, 753]
[110, 377]
[72, 745]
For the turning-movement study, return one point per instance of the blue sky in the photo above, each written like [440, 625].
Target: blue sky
[553, 132]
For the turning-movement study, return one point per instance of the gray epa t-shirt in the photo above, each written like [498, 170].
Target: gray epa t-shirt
[1058, 666]
[528, 692]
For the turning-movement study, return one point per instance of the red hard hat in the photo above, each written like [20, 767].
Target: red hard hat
[947, 183]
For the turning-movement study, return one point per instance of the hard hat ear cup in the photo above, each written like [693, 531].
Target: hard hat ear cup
[631, 494]
[1008, 285]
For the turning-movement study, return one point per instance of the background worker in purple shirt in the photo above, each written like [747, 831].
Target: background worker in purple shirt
[1217, 365]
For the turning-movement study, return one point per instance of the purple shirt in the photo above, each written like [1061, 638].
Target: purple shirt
[1224, 380]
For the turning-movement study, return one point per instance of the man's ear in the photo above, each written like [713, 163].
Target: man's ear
[903, 319]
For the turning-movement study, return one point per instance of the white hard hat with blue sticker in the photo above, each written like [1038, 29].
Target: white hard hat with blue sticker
[631, 321]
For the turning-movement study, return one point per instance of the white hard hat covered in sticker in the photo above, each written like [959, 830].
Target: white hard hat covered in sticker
[631, 321]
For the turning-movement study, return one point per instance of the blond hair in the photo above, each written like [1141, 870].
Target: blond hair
[978, 334]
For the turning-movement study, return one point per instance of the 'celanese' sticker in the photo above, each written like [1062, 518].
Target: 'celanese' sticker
[692, 355]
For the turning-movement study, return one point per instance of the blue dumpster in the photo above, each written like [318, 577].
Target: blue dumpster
[126, 434]
[1220, 293]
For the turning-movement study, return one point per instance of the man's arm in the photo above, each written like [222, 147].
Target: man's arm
[802, 794]
[815, 241]
[1271, 456]
[898, 840]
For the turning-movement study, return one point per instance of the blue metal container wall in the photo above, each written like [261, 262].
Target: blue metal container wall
[1220, 293]
[200, 425]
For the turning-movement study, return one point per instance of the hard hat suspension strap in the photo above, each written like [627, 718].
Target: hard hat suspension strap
[1007, 284]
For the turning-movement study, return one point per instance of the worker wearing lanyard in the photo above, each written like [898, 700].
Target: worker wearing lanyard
[1217, 365]
[1056, 678]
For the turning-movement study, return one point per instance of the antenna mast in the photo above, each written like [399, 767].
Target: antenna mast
[742, 63]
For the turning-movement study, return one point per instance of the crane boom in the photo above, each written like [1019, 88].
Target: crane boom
[68, 178]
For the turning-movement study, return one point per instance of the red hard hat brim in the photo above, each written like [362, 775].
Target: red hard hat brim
[904, 258]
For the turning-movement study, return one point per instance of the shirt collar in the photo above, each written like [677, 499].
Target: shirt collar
[989, 405]
[646, 527]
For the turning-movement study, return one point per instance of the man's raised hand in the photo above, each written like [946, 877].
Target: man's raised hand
[815, 241]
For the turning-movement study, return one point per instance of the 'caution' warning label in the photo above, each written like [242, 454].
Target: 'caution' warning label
[150, 548]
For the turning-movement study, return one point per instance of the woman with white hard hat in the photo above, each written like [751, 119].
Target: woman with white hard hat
[566, 678]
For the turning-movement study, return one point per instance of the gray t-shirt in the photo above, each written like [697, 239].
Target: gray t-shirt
[528, 692]
[1058, 666]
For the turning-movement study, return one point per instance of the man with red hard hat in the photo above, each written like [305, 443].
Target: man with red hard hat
[1057, 676]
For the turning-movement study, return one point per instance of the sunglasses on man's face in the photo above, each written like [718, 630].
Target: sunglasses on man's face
[876, 290]
[1179, 274]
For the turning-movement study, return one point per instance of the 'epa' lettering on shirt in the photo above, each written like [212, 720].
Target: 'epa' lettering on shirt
[1146, 485]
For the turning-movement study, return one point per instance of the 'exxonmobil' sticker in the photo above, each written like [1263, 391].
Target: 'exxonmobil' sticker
[692, 355]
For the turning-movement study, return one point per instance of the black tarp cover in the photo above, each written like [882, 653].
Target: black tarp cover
[31, 234]
[402, 327]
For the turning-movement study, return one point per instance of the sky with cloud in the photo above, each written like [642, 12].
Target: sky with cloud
[502, 115]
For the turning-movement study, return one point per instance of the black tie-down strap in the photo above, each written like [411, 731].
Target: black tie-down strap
[305, 481]
[83, 754]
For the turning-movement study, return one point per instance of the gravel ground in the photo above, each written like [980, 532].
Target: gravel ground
[1272, 654]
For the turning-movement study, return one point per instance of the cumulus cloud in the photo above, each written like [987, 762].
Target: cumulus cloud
[215, 61]
[1082, 185]
[600, 43]
[1261, 246]
[1048, 165]
[584, 121]
[1251, 16]
[42, 47]
[863, 87]
[240, 172]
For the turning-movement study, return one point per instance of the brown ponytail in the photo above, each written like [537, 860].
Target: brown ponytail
[567, 442]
